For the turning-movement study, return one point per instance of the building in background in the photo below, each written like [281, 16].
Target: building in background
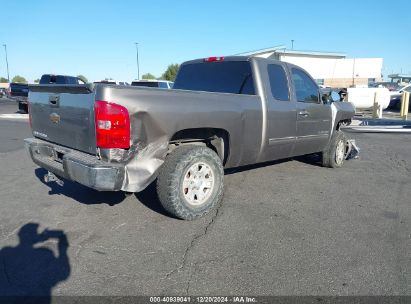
[328, 68]
[402, 79]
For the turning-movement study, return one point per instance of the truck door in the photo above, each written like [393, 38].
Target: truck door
[313, 117]
[281, 113]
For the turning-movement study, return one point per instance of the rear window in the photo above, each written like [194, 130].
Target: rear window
[19, 86]
[223, 76]
[45, 79]
[58, 79]
[151, 84]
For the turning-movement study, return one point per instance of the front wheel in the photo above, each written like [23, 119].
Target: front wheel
[335, 153]
[190, 182]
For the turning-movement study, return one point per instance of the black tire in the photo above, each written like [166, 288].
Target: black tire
[330, 158]
[175, 174]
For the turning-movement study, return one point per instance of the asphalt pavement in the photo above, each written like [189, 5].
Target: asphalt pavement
[283, 228]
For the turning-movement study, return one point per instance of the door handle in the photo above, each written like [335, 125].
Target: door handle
[54, 100]
[303, 113]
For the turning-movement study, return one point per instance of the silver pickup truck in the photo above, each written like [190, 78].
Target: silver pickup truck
[221, 113]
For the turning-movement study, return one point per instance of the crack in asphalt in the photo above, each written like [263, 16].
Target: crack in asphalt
[190, 246]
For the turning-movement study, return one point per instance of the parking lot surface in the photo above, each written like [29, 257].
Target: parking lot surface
[283, 228]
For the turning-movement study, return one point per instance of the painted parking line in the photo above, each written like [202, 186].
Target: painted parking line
[14, 116]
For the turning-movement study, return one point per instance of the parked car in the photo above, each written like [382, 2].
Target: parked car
[152, 83]
[19, 92]
[222, 113]
[60, 79]
[111, 81]
[395, 98]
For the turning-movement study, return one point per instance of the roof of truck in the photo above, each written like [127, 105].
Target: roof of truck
[219, 59]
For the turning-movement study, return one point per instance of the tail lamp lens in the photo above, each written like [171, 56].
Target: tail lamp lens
[112, 125]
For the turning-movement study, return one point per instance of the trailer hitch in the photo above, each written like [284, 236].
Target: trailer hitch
[51, 177]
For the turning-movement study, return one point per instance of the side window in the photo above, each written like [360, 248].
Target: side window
[72, 80]
[60, 80]
[305, 88]
[278, 82]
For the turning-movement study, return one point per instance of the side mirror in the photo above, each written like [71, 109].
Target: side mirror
[334, 96]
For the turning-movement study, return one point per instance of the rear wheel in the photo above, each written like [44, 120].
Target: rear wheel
[335, 153]
[190, 182]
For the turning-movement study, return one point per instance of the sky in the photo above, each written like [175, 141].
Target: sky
[97, 38]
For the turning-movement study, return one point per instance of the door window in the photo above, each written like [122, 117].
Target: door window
[305, 88]
[278, 82]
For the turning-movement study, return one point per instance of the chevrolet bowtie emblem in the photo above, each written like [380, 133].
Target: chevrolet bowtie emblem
[55, 118]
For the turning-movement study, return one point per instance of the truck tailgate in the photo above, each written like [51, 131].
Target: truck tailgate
[64, 114]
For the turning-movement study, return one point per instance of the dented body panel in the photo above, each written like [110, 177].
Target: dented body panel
[156, 115]
[258, 127]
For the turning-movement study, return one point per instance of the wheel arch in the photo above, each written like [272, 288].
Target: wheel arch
[214, 138]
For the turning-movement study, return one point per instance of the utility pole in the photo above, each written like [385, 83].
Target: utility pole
[7, 63]
[138, 66]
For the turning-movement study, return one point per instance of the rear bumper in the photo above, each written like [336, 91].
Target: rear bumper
[76, 166]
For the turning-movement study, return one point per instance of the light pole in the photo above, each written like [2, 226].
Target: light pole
[138, 66]
[7, 63]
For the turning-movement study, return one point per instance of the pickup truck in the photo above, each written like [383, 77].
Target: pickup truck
[221, 113]
[19, 92]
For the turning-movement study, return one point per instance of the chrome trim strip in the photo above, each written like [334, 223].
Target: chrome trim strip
[313, 135]
[273, 141]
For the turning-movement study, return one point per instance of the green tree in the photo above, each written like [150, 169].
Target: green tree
[171, 72]
[19, 78]
[82, 77]
[148, 76]
[37, 80]
[2, 79]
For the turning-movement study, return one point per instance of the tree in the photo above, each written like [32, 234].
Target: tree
[37, 80]
[2, 79]
[19, 78]
[148, 76]
[171, 72]
[82, 77]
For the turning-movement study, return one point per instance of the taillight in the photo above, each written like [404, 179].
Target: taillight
[212, 59]
[112, 125]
